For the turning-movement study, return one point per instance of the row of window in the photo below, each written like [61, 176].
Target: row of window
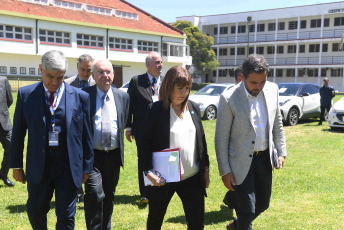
[64, 38]
[288, 72]
[312, 48]
[292, 25]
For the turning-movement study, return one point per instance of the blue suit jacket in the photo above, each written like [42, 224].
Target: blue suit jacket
[122, 107]
[30, 116]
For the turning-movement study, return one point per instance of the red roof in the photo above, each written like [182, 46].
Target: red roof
[145, 22]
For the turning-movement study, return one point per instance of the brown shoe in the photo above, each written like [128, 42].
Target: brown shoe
[230, 226]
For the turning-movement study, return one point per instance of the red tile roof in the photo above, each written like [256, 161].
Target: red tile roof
[146, 23]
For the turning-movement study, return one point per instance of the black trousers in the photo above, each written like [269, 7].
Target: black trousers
[191, 194]
[253, 195]
[322, 112]
[5, 139]
[142, 186]
[100, 189]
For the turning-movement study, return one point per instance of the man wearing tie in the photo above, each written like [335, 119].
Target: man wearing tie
[59, 153]
[109, 112]
[83, 78]
[143, 91]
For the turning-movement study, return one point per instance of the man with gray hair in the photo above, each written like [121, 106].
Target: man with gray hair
[143, 91]
[83, 78]
[59, 153]
[248, 128]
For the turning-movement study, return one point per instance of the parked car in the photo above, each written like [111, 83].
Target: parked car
[335, 116]
[124, 87]
[298, 101]
[208, 99]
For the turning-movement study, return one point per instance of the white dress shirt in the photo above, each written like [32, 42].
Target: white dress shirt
[97, 136]
[259, 119]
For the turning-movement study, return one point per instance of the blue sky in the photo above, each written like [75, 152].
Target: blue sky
[168, 10]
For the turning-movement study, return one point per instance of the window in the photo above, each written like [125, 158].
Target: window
[232, 51]
[301, 72]
[290, 72]
[291, 49]
[315, 23]
[58, 37]
[292, 25]
[302, 49]
[215, 31]
[15, 32]
[324, 47]
[270, 73]
[337, 72]
[127, 15]
[313, 48]
[271, 26]
[281, 26]
[241, 29]
[280, 49]
[215, 51]
[339, 21]
[251, 50]
[98, 10]
[260, 50]
[120, 43]
[68, 5]
[303, 24]
[251, 27]
[312, 72]
[323, 72]
[90, 40]
[279, 72]
[335, 47]
[326, 22]
[260, 27]
[222, 72]
[147, 46]
[241, 51]
[223, 52]
[224, 30]
[271, 50]
[232, 29]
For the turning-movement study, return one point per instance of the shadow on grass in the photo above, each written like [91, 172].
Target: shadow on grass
[22, 207]
[223, 215]
[133, 200]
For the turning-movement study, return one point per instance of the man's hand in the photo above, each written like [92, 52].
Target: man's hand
[19, 175]
[154, 179]
[85, 177]
[228, 181]
[128, 135]
[281, 162]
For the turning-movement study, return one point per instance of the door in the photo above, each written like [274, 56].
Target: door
[118, 79]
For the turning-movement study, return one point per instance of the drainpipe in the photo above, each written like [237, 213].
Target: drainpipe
[107, 43]
[36, 36]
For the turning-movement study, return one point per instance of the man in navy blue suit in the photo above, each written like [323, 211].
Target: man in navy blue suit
[59, 149]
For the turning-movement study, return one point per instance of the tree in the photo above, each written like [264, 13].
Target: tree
[203, 56]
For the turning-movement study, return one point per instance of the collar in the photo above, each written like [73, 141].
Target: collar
[60, 89]
[151, 78]
[88, 80]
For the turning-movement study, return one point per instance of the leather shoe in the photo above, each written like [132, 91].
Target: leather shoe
[144, 200]
[7, 181]
[230, 226]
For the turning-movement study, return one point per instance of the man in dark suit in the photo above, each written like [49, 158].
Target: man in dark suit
[143, 91]
[109, 113]
[83, 78]
[6, 101]
[59, 149]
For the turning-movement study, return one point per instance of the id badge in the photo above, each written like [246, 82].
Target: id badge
[53, 138]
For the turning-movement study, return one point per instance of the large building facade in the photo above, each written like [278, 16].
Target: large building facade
[114, 29]
[301, 44]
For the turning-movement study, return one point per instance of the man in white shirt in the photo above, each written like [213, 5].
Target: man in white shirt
[248, 127]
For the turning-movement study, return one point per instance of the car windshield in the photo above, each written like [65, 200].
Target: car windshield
[288, 89]
[211, 90]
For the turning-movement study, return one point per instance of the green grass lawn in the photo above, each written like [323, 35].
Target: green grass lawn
[307, 192]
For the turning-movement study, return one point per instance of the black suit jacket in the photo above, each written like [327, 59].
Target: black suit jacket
[155, 136]
[140, 92]
[122, 107]
[6, 101]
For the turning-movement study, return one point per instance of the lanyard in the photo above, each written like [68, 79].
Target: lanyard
[52, 107]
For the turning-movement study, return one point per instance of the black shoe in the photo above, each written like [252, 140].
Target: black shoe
[80, 198]
[144, 200]
[7, 181]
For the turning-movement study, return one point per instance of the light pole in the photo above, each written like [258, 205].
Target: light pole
[249, 19]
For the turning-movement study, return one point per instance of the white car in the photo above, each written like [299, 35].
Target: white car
[208, 99]
[298, 101]
[125, 87]
[336, 115]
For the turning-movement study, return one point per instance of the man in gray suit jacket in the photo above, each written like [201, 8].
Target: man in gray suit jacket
[6, 101]
[248, 127]
[83, 78]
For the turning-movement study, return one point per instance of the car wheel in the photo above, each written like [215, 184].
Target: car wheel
[210, 113]
[293, 117]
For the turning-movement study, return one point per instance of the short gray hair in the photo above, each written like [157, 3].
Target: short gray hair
[85, 57]
[98, 60]
[254, 63]
[55, 61]
[150, 57]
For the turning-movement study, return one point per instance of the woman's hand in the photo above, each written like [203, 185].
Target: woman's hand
[206, 177]
[157, 181]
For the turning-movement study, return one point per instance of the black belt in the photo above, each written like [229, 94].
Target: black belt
[105, 151]
[258, 153]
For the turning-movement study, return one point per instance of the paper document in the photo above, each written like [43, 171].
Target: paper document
[167, 162]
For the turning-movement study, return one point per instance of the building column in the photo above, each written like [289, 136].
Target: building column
[218, 33]
[298, 27]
